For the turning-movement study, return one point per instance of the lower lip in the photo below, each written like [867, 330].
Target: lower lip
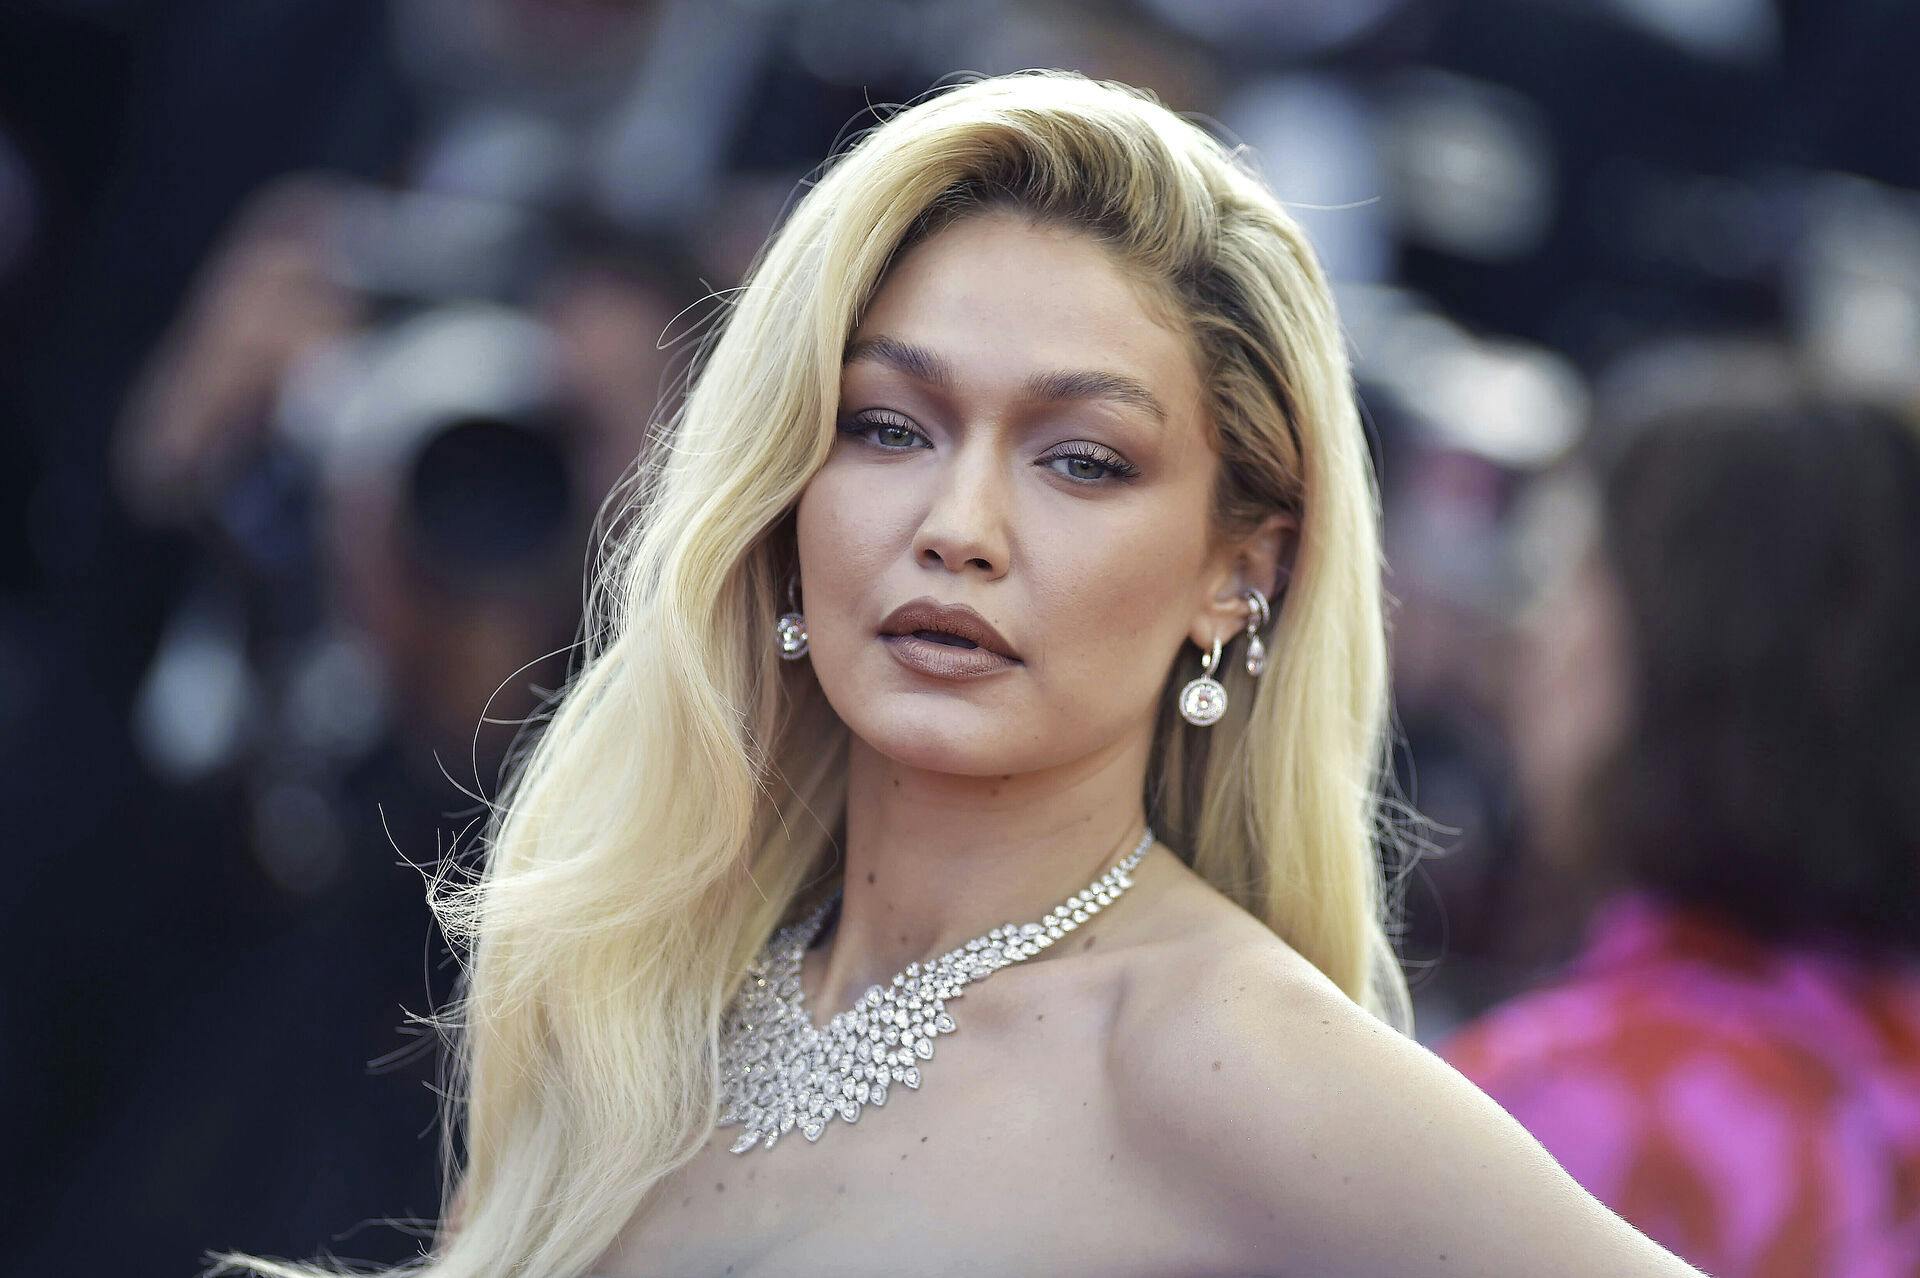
[943, 660]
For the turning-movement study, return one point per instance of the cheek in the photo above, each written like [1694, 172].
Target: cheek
[1099, 596]
[847, 532]
[1117, 606]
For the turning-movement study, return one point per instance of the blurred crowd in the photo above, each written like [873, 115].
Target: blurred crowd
[328, 326]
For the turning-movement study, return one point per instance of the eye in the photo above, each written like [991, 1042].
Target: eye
[893, 434]
[1090, 464]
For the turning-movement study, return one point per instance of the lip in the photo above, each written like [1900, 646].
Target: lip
[928, 613]
[943, 660]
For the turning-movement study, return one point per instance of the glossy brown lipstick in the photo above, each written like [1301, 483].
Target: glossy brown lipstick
[949, 641]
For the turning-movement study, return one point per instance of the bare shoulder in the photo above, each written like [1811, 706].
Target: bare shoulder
[1319, 1140]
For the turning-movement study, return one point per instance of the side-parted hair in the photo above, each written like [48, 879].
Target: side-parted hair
[685, 795]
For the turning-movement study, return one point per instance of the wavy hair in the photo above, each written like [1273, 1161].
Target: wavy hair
[685, 794]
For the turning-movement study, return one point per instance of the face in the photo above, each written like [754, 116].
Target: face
[1571, 695]
[1070, 512]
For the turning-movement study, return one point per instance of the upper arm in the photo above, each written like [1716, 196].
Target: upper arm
[1326, 1143]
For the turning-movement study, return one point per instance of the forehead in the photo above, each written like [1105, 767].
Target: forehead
[998, 298]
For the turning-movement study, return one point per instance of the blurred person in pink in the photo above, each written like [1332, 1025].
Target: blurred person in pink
[1718, 727]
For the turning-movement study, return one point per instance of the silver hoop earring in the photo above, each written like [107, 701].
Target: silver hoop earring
[1203, 701]
[1258, 615]
[790, 631]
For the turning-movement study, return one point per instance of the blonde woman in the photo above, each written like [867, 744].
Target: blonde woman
[960, 848]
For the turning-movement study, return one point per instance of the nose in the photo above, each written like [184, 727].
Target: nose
[965, 524]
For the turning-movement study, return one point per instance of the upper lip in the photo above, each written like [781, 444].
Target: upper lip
[926, 613]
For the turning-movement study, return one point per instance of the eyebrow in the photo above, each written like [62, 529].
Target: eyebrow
[1051, 386]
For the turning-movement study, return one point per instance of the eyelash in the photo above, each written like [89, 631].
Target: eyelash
[1117, 467]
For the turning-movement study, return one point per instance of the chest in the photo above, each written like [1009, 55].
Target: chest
[1011, 1156]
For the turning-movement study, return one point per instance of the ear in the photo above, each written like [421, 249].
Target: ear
[1262, 559]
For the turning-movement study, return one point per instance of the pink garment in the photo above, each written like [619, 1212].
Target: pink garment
[1754, 1109]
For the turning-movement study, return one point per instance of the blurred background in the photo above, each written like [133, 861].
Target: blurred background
[326, 325]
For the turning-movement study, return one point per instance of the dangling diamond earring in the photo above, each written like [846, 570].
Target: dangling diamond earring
[1203, 701]
[791, 629]
[1258, 615]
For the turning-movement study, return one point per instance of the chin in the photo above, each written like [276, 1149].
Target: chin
[932, 742]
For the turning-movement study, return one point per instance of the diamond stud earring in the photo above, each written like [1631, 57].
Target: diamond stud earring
[1203, 701]
[790, 631]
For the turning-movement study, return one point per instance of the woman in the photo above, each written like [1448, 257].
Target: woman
[1732, 1058]
[1036, 388]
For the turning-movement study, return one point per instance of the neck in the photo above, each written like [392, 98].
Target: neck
[934, 859]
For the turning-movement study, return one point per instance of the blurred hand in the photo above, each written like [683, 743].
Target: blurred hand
[264, 298]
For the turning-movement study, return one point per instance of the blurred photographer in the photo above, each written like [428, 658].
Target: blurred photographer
[388, 422]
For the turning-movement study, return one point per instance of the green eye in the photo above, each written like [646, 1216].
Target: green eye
[892, 436]
[1087, 466]
[1083, 468]
[1086, 463]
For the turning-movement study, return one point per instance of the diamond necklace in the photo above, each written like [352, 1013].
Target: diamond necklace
[778, 1072]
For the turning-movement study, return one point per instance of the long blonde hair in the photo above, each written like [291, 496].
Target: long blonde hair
[684, 796]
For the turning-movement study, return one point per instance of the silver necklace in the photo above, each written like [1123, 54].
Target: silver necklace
[778, 1072]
